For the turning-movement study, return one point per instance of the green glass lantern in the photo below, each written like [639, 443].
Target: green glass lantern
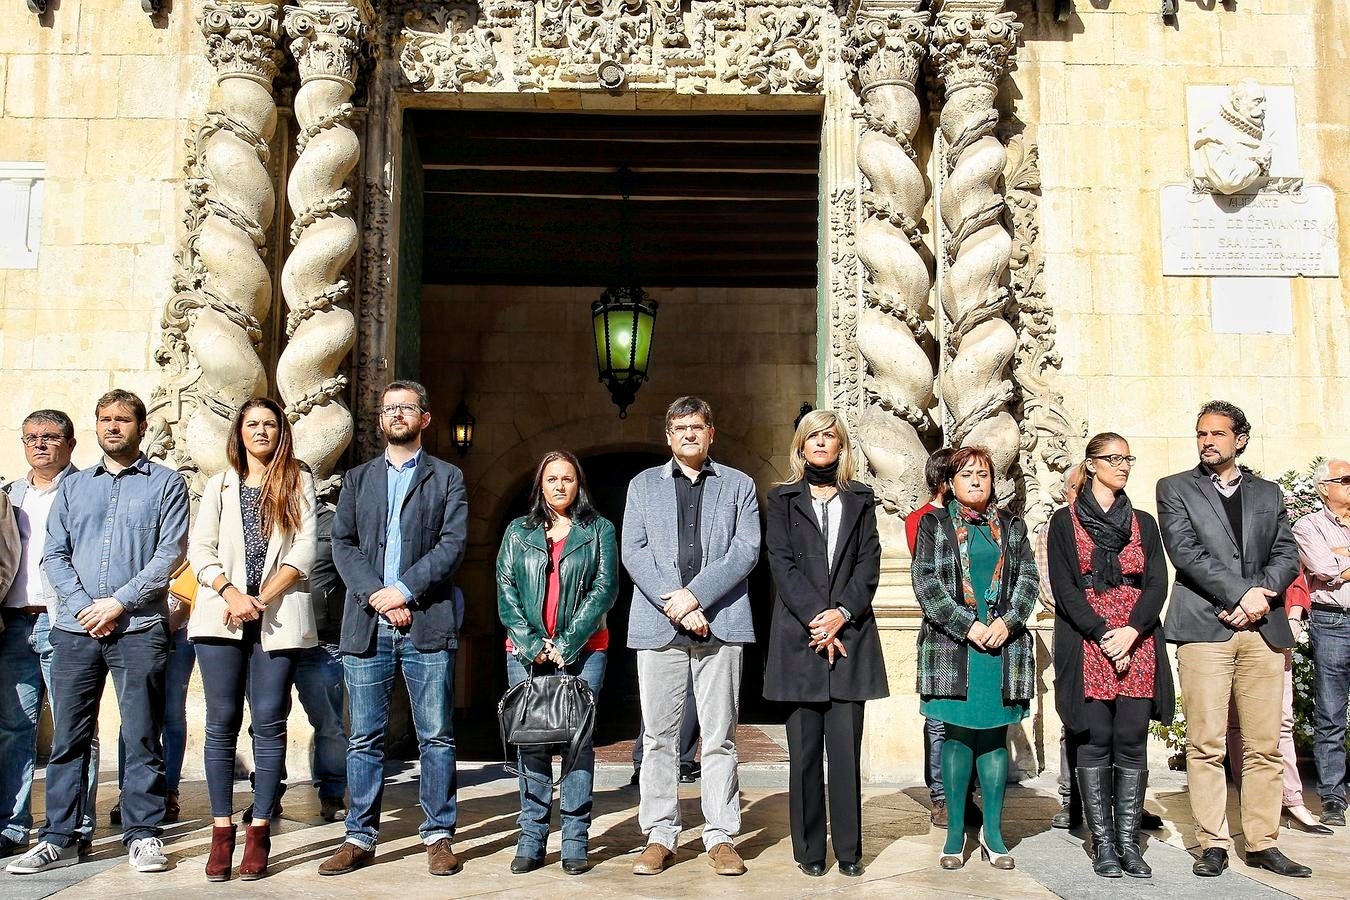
[623, 318]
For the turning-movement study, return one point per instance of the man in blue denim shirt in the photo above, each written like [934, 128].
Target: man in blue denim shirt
[115, 535]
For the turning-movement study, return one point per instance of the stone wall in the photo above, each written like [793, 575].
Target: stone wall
[1105, 98]
[102, 95]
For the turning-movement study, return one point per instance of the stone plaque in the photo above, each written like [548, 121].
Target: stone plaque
[1265, 234]
[1251, 306]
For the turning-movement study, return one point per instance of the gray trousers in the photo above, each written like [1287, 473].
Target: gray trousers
[662, 676]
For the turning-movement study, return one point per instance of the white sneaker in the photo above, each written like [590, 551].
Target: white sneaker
[147, 855]
[42, 857]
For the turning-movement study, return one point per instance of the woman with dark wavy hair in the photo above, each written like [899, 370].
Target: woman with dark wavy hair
[252, 547]
[556, 580]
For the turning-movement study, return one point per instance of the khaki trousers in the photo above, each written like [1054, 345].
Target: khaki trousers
[1246, 670]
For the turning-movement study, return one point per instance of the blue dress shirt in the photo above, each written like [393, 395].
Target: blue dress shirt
[116, 535]
[400, 479]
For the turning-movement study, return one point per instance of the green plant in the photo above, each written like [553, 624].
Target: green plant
[1173, 736]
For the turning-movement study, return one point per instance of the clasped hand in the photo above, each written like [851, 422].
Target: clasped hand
[390, 603]
[824, 632]
[100, 617]
[682, 608]
[988, 637]
[241, 608]
[1252, 608]
[1118, 643]
[549, 654]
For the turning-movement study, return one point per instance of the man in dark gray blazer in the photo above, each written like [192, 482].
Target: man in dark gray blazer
[398, 537]
[1227, 533]
[690, 538]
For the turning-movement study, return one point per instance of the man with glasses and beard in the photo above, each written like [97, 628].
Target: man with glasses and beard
[398, 537]
[1227, 533]
[116, 532]
[1324, 546]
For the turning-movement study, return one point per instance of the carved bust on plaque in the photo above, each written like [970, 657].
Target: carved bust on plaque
[1231, 148]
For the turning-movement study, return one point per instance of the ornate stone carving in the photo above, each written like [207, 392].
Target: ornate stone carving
[222, 289]
[779, 51]
[1231, 148]
[327, 40]
[440, 49]
[613, 43]
[971, 43]
[1046, 424]
[886, 45]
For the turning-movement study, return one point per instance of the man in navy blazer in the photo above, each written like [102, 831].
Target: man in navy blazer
[691, 536]
[398, 537]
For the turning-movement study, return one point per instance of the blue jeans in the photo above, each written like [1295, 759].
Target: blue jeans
[536, 797]
[431, 690]
[1329, 636]
[319, 684]
[80, 668]
[182, 657]
[25, 672]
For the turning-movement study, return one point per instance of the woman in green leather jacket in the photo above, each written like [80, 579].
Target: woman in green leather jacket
[557, 576]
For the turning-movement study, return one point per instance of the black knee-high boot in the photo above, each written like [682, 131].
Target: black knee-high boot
[1131, 785]
[1095, 787]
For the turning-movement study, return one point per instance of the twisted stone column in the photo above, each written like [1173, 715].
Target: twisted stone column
[236, 289]
[887, 43]
[971, 43]
[326, 39]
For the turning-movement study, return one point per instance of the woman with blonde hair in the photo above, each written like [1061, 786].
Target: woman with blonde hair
[824, 653]
[252, 547]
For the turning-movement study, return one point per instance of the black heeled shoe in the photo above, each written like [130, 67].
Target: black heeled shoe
[1293, 823]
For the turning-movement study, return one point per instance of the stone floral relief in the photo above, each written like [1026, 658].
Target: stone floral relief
[440, 49]
[780, 51]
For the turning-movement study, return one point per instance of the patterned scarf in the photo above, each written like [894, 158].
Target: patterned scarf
[962, 519]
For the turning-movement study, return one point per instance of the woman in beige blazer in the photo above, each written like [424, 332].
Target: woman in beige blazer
[252, 547]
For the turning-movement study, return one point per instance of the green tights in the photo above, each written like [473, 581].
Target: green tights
[984, 752]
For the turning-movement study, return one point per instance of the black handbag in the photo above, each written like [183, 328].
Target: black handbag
[553, 712]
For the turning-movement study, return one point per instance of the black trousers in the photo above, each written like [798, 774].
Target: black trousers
[1117, 732]
[815, 730]
[80, 666]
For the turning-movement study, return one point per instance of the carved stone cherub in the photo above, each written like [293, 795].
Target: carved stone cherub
[1232, 149]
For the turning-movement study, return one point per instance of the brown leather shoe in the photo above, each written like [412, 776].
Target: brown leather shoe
[653, 860]
[345, 859]
[172, 810]
[725, 860]
[939, 814]
[257, 847]
[222, 852]
[441, 860]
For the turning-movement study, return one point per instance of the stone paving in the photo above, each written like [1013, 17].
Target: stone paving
[901, 852]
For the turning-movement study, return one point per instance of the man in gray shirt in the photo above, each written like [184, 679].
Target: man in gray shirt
[690, 538]
[116, 532]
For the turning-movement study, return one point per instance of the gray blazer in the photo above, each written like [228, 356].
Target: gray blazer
[1211, 576]
[729, 528]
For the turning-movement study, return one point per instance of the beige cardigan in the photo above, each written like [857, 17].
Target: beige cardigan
[217, 546]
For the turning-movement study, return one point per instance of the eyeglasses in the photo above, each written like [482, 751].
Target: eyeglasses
[1115, 459]
[32, 440]
[1343, 481]
[395, 409]
[692, 429]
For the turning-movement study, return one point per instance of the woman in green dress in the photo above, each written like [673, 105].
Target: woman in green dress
[975, 578]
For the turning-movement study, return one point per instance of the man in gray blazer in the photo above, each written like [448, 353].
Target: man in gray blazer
[1227, 533]
[691, 535]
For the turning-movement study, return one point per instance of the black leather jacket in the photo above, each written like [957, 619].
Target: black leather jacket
[588, 574]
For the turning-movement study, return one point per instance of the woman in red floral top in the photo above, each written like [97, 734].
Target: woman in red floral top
[1109, 580]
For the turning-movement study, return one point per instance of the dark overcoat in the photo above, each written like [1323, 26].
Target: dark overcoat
[806, 586]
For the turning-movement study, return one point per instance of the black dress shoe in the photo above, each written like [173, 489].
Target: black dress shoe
[1211, 863]
[815, 870]
[1150, 821]
[1061, 818]
[689, 772]
[1273, 860]
[852, 870]
[576, 866]
[522, 864]
[1333, 813]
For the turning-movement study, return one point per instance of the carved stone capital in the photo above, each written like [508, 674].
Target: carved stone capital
[972, 42]
[241, 39]
[887, 45]
[327, 38]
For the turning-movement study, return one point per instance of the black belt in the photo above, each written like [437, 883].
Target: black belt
[1331, 608]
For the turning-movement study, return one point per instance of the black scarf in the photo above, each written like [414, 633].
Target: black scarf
[1110, 533]
[822, 475]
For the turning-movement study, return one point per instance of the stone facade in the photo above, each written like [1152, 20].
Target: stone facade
[222, 191]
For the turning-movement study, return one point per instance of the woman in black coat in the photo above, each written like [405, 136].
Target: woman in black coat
[824, 651]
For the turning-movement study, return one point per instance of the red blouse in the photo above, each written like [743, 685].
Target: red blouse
[552, 597]
[1101, 681]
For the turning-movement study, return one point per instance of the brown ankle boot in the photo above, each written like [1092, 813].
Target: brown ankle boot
[257, 844]
[222, 852]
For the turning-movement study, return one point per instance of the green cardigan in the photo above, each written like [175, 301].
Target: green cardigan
[589, 576]
[946, 618]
